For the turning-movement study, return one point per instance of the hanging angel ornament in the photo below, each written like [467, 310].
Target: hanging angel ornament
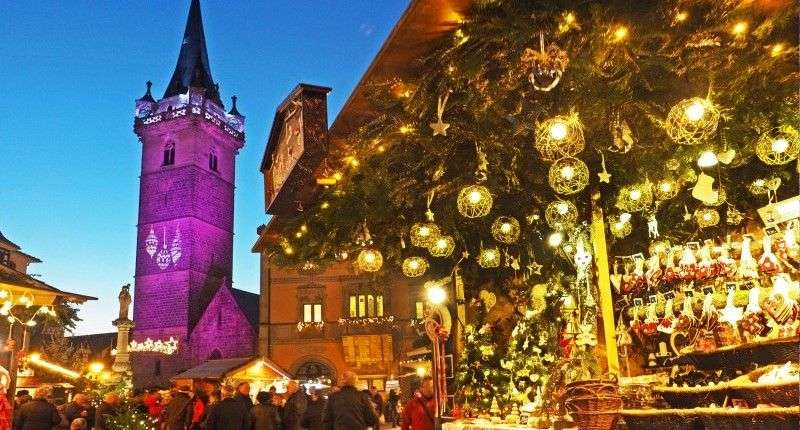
[151, 243]
[622, 134]
[748, 268]
[583, 260]
[652, 226]
[482, 172]
[440, 127]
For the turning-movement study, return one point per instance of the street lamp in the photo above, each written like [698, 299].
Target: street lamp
[436, 294]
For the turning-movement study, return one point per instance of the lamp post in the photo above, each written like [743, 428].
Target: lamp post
[437, 327]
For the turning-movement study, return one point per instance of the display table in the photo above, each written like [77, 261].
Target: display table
[484, 425]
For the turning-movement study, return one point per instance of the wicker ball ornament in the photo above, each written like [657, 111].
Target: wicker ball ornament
[568, 176]
[474, 201]
[560, 136]
[692, 121]
[778, 146]
[505, 229]
[561, 215]
[414, 267]
[706, 217]
[635, 198]
[423, 233]
[489, 258]
[618, 227]
[443, 246]
[369, 260]
[666, 189]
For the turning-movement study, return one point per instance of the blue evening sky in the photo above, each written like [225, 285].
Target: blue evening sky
[69, 74]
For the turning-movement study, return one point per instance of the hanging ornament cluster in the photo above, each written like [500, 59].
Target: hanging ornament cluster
[635, 198]
[706, 217]
[369, 260]
[442, 247]
[474, 201]
[505, 229]
[778, 146]
[561, 215]
[692, 121]
[666, 189]
[489, 258]
[560, 136]
[414, 266]
[546, 65]
[619, 226]
[568, 176]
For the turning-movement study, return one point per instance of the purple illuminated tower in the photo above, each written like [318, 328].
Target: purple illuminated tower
[185, 229]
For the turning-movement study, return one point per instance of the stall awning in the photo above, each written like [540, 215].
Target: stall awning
[236, 368]
[18, 283]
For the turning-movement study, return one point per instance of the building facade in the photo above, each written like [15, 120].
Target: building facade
[185, 229]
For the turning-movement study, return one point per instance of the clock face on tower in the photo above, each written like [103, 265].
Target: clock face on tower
[163, 251]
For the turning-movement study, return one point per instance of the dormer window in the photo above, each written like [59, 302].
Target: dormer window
[169, 155]
[5, 258]
[212, 161]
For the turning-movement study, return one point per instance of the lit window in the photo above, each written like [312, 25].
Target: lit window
[353, 307]
[169, 155]
[312, 312]
[362, 306]
[366, 306]
[212, 161]
[419, 310]
[370, 306]
[379, 306]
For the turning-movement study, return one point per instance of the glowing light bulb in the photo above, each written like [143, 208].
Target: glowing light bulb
[567, 172]
[780, 145]
[707, 159]
[299, 234]
[739, 28]
[325, 205]
[424, 231]
[707, 216]
[337, 175]
[405, 129]
[288, 250]
[413, 264]
[619, 225]
[665, 186]
[436, 295]
[569, 18]
[441, 243]
[421, 372]
[635, 195]
[562, 208]
[490, 255]
[777, 50]
[369, 257]
[505, 227]
[475, 196]
[695, 111]
[555, 239]
[621, 33]
[624, 217]
[760, 182]
[558, 131]
[681, 16]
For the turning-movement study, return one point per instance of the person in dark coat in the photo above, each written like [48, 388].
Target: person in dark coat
[377, 400]
[349, 409]
[179, 411]
[228, 414]
[265, 415]
[106, 411]
[80, 407]
[295, 406]
[37, 414]
[315, 409]
[391, 408]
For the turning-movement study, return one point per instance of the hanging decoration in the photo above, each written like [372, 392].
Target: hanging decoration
[778, 146]
[560, 136]
[733, 216]
[703, 189]
[440, 127]
[652, 226]
[722, 197]
[369, 260]
[423, 234]
[622, 135]
[603, 176]
[506, 229]
[568, 176]
[151, 243]
[635, 198]
[442, 247]
[706, 217]
[489, 258]
[561, 215]
[666, 189]
[618, 227]
[414, 267]
[546, 65]
[692, 121]
[474, 201]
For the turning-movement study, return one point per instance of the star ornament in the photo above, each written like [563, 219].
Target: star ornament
[604, 177]
[439, 128]
[534, 268]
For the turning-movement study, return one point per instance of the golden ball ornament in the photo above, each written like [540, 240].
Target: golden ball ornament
[635, 198]
[619, 228]
[666, 189]
[369, 260]
[568, 176]
[560, 136]
[692, 121]
[778, 146]
[489, 258]
[443, 246]
[474, 201]
[414, 267]
[423, 233]
[706, 217]
[561, 215]
[722, 197]
[505, 229]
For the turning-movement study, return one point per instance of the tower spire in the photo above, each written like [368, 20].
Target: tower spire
[193, 68]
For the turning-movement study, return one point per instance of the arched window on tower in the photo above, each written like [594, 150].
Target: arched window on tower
[169, 154]
[212, 160]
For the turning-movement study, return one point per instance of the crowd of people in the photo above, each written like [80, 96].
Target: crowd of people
[231, 408]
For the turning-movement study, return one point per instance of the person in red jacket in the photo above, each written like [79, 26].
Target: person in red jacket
[418, 412]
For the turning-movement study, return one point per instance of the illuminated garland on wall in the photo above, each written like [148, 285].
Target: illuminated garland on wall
[167, 347]
[304, 325]
[363, 322]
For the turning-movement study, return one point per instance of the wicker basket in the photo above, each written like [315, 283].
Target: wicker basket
[748, 388]
[693, 397]
[773, 351]
[593, 404]
[660, 419]
[750, 419]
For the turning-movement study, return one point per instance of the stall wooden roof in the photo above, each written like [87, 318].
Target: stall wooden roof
[222, 368]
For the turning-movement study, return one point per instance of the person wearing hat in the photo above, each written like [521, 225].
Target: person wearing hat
[179, 413]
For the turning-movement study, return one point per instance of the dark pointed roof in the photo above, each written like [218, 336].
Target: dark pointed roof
[193, 68]
[148, 96]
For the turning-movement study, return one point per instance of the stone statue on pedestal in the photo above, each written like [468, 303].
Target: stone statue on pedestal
[124, 301]
[122, 363]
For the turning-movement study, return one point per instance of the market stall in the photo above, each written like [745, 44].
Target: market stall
[260, 372]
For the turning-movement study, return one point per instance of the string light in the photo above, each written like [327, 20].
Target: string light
[324, 205]
[167, 347]
[681, 16]
[695, 111]
[620, 34]
[406, 129]
[776, 50]
[555, 239]
[707, 159]
[739, 29]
